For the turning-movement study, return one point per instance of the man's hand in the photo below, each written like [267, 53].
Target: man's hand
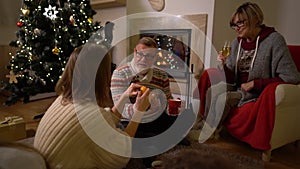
[142, 100]
[132, 90]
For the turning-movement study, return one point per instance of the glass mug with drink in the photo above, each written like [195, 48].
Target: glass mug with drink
[175, 107]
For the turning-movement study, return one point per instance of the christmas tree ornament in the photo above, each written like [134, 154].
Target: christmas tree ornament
[12, 77]
[30, 72]
[43, 81]
[20, 24]
[67, 5]
[37, 31]
[50, 12]
[46, 66]
[55, 50]
[90, 20]
[25, 11]
[32, 57]
[65, 29]
[72, 20]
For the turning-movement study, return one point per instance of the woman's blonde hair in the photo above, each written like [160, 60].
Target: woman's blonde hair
[250, 12]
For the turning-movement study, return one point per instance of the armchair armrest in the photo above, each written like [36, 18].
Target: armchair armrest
[286, 127]
[287, 94]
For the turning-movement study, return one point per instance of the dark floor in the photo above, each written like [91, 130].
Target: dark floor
[286, 157]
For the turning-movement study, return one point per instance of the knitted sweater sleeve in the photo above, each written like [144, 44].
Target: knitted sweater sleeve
[273, 54]
[283, 65]
[119, 84]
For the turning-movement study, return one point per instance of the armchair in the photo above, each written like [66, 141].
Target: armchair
[286, 126]
[268, 123]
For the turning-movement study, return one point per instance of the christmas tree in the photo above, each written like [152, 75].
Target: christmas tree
[49, 32]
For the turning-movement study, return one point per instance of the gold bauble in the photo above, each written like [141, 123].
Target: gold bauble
[90, 20]
[55, 51]
[25, 11]
[32, 57]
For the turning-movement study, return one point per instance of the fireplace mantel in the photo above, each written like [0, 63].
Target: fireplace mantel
[101, 4]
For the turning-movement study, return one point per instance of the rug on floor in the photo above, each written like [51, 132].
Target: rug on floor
[241, 161]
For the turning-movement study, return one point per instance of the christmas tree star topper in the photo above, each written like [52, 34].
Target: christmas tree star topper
[50, 12]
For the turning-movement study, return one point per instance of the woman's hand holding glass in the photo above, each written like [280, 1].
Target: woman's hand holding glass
[224, 53]
[226, 49]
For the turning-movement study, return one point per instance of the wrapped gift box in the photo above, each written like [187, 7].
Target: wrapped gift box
[12, 129]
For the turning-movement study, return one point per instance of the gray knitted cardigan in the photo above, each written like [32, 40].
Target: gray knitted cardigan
[272, 59]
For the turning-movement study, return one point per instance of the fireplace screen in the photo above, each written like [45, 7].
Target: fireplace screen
[174, 49]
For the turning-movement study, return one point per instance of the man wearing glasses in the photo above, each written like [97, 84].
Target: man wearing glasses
[141, 70]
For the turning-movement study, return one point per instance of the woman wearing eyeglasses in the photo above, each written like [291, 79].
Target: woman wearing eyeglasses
[259, 56]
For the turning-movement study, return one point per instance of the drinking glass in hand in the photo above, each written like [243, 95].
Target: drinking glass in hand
[226, 49]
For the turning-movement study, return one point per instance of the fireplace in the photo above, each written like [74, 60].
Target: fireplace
[174, 50]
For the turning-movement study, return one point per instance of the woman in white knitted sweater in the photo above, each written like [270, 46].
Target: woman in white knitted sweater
[76, 132]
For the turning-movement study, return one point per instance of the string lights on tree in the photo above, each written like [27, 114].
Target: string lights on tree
[49, 30]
